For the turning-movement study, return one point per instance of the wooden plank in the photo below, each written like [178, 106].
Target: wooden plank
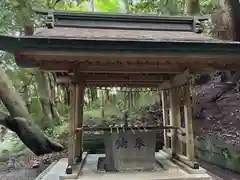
[79, 120]
[188, 124]
[176, 81]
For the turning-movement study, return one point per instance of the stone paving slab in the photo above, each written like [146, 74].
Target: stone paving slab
[90, 172]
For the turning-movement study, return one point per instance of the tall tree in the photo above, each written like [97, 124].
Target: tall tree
[234, 6]
[192, 7]
[19, 119]
[222, 21]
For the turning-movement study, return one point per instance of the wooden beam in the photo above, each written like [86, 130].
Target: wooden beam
[127, 89]
[114, 79]
[111, 67]
[63, 80]
[79, 120]
[121, 84]
[178, 80]
[174, 62]
[113, 56]
[138, 77]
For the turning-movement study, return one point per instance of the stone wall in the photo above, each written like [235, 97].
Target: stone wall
[211, 151]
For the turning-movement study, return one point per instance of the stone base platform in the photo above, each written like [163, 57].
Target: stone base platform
[167, 170]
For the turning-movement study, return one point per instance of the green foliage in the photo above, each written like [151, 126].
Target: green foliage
[171, 7]
[57, 131]
[111, 6]
[73, 6]
[15, 14]
[6, 16]
[109, 110]
[208, 6]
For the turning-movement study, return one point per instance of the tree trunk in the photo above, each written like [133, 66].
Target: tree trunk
[235, 14]
[19, 120]
[89, 98]
[222, 21]
[102, 105]
[226, 22]
[43, 82]
[25, 96]
[44, 94]
[67, 96]
[55, 114]
[192, 7]
[93, 94]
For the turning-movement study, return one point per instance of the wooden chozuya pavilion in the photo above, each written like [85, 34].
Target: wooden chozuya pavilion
[93, 49]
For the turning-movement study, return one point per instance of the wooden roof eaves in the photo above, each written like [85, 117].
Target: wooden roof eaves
[122, 21]
[103, 16]
[30, 43]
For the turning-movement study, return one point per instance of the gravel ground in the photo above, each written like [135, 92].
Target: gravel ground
[24, 174]
[28, 167]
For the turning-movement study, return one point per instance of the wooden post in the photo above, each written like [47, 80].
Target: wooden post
[175, 119]
[177, 99]
[194, 94]
[80, 89]
[165, 116]
[188, 123]
[71, 126]
[172, 95]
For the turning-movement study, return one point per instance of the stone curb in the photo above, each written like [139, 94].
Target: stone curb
[45, 171]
